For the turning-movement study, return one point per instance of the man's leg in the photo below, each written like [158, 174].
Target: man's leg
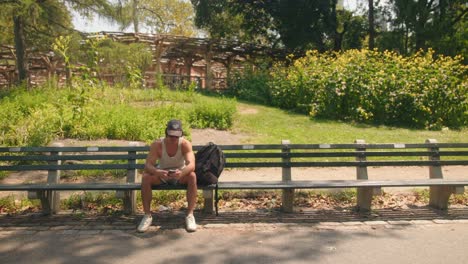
[191, 181]
[147, 181]
[146, 195]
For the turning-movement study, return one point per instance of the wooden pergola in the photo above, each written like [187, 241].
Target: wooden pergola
[184, 58]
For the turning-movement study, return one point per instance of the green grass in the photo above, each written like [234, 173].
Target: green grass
[3, 175]
[268, 125]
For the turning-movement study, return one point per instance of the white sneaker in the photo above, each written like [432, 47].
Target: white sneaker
[190, 223]
[145, 223]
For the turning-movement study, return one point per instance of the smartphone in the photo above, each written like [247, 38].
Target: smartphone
[172, 171]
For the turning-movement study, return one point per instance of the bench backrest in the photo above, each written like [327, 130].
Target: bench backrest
[241, 156]
[346, 155]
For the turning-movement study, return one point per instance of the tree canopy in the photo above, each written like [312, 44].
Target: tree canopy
[400, 25]
[157, 16]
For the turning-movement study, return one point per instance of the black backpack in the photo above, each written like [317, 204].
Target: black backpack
[209, 163]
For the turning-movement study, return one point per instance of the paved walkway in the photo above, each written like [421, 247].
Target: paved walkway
[418, 235]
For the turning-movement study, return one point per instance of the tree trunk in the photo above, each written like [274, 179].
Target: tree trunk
[420, 27]
[371, 25]
[135, 15]
[20, 47]
[336, 35]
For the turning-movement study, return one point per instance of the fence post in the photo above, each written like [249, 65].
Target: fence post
[129, 199]
[288, 194]
[364, 194]
[438, 195]
[50, 200]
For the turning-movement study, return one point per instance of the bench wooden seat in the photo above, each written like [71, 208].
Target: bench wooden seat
[89, 187]
[234, 185]
[328, 184]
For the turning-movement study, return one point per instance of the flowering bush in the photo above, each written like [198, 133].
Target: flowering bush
[375, 87]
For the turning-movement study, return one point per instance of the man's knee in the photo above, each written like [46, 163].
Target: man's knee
[191, 178]
[147, 179]
[194, 176]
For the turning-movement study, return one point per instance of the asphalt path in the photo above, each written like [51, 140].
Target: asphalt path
[428, 237]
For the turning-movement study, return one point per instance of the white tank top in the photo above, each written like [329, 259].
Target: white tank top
[175, 162]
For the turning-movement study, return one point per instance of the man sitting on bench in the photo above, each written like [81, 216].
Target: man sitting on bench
[176, 166]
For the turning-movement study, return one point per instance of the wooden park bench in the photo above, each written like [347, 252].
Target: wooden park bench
[359, 155]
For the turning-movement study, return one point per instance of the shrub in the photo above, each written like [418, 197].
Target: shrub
[369, 86]
[251, 86]
[35, 118]
[212, 113]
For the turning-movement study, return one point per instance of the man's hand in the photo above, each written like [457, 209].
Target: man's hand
[163, 175]
[175, 174]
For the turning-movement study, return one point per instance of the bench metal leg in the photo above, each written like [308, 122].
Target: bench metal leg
[46, 202]
[208, 203]
[49, 200]
[129, 202]
[286, 176]
[130, 196]
[439, 196]
[288, 201]
[364, 198]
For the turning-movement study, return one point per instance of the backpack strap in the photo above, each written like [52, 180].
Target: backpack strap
[216, 199]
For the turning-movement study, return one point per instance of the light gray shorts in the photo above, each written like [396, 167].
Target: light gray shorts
[170, 182]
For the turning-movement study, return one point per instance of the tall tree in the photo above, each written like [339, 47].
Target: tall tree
[371, 25]
[430, 23]
[298, 24]
[158, 16]
[39, 21]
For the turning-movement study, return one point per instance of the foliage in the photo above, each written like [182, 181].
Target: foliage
[371, 87]
[61, 45]
[251, 86]
[354, 32]
[3, 175]
[161, 16]
[400, 25]
[223, 19]
[439, 25]
[210, 113]
[297, 24]
[103, 203]
[37, 23]
[43, 21]
[11, 205]
[6, 26]
[129, 60]
[35, 118]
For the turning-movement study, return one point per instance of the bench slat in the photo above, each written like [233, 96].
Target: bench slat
[123, 166]
[239, 155]
[242, 185]
[237, 147]
[72, 157]
[347, 163]
[90, 187]
[338, 184]
[75, 149]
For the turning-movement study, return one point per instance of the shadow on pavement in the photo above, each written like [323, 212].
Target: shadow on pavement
[68, 238]
[171, 220]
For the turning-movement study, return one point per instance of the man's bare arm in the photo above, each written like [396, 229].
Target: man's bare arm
[151, 159]
[189, 157]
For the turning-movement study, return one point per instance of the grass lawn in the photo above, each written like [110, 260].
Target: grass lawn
[268, 125]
